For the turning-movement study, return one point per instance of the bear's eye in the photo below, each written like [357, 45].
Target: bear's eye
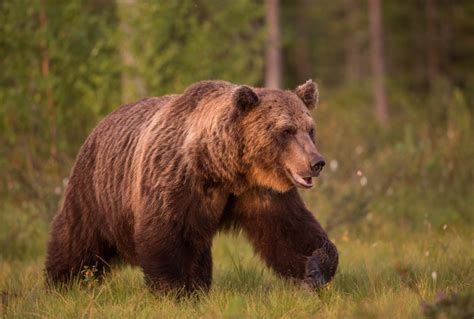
[289, 132]
[311, 133]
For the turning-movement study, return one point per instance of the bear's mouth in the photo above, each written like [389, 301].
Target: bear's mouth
[301, 181]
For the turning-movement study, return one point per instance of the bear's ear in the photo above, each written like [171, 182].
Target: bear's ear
[308, 93]
[245, 98]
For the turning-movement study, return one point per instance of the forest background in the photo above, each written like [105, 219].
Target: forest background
[395, 122]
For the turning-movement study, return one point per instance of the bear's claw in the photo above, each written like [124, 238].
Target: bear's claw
[314, 277]
[321, 266]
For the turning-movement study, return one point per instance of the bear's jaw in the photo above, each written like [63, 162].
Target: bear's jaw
[300, 181]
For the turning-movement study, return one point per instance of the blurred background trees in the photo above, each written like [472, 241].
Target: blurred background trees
[395, 119]
[273, 45]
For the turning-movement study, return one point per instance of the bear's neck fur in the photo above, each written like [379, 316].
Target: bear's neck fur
[213, 150]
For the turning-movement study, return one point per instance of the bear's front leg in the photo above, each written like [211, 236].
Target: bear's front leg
[287, 236]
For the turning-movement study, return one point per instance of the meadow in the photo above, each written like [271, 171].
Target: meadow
[386, 276]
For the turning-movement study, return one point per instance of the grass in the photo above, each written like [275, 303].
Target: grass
[377, 278]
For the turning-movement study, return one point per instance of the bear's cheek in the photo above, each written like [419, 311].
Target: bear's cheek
[263, 155]
[270, 176]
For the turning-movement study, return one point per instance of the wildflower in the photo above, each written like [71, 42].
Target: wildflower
[363, 181]
[434, 275]
[333, 165]
[451, 134]
[89, 274]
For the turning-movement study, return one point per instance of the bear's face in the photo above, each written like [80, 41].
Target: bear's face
[278, 137]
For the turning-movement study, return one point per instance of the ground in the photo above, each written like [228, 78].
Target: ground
[380, 276]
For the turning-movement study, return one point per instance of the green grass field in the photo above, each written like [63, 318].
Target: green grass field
[383, 275]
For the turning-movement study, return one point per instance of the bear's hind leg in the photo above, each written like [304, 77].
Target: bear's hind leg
[173, 264]
[76, 253]
[201, 273]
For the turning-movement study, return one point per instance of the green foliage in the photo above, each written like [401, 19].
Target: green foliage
[23, 231]
[415, 172]
[187, 41]
[59, 76]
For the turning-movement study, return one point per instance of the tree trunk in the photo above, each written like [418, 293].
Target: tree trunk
[273, 56]
[132, 85]
[377, 62]
[432, 48]
[45, 72]
[353, 43]
[302, 53]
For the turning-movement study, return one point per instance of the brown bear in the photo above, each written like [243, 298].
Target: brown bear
[156, 180]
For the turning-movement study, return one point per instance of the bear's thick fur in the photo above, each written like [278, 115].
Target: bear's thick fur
[156, 180]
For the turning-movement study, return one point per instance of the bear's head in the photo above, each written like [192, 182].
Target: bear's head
[278, 136]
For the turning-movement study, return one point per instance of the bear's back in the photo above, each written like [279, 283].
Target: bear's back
[106, 156]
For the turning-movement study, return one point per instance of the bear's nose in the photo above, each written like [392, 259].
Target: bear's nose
[317, 165]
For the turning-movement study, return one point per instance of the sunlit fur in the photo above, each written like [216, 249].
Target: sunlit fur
[157, 179]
